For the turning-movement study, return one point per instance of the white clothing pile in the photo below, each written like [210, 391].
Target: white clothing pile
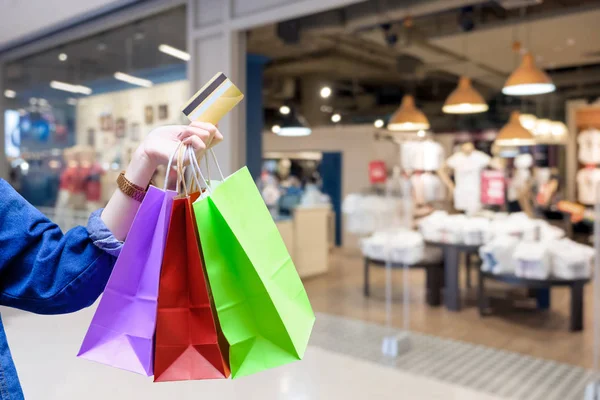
[401, 246]
[475, 231]
[497, 255]
[467, 176]
[532, 260]
[424, 155]
[366, 214]
[571, 260]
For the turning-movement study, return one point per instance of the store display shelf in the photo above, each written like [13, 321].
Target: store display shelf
[533, 283]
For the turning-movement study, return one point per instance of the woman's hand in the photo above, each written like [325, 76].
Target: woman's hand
[163, 141]
[156, 149]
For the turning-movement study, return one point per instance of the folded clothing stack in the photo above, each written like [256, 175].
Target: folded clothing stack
[497, 255]
[475, 230]
[532, 260]
[571, 260]
[400, 246]
[441, 227]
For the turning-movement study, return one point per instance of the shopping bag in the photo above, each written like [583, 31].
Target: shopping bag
[188, 338]
[121, 333]
[261, 303]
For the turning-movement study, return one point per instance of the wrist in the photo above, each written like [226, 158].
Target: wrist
[140, 168]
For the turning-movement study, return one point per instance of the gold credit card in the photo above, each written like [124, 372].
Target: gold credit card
[213, 101]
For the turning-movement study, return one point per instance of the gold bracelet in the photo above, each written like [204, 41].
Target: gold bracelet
[130, 189]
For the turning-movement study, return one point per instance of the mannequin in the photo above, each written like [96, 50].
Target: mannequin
[91, 173]
[467, 165]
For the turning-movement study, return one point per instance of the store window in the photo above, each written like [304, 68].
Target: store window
[84, 106]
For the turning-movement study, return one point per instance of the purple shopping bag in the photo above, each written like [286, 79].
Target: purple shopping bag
[122, 331]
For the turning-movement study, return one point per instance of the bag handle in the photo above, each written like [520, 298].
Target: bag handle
[170, 164]
[194, 184]
[197, 171]
[214, 157]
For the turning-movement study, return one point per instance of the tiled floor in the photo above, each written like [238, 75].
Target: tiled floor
[45, 347]
[543, 334]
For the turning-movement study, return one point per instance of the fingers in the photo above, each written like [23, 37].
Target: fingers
[196, 142]
[201, 137]
[216, 136]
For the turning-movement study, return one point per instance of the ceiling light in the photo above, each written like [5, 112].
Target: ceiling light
[513, 133]
[325, 92]
[408, 117]
[421, 133]
[172, 51]
[71, 101]
[558, 130]
[543, 128]
[134, 80]
[326, 109]
[528, 79]
[63, 56]
[294, 125]
[68, 87]
[528, 121]
[11, 94]
[284, 110]
[464, 99]
[276, 129]
[336, 118]
[378, 123]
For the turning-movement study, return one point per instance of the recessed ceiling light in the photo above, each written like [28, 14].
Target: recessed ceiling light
[11, 94]
[68, 87]
[134, 80]
[378, 123]
[421, 133]
[326, 109]
[276, 129]
[335, 118]
[63, 56]
[174, 52]
[285, 110]
[325, 92]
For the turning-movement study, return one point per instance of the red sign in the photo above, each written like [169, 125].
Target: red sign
[377, 172]
[492, 187]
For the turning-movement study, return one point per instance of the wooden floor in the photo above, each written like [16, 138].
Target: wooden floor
[537, 333]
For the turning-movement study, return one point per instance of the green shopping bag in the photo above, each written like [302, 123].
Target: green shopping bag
[261, 303]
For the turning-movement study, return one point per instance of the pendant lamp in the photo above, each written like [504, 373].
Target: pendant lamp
[559, 130]
[293, 125]
[528, 80]
[408, 117]
[513, 133]
[464, 99]
[528, 121]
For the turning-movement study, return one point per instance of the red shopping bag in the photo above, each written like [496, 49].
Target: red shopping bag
[189, 342]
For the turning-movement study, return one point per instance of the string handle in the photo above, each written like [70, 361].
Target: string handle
[170, 164]
[197, 172]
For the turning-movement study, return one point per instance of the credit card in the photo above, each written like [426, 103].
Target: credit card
[213, 101]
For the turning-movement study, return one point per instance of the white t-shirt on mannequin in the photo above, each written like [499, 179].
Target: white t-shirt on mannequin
[421, 156]
[589, 146]
[588, 180]
[467, 176]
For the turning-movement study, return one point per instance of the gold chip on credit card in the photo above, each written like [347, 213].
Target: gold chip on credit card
[213, 101]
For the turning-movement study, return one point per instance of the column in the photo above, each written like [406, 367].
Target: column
[255, 120]
[214, 47]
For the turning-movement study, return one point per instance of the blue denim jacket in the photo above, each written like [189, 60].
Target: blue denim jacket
[46, 272]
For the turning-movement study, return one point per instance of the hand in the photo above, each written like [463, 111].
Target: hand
[160, 144]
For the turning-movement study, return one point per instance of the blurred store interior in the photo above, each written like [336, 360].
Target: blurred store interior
[432, 166]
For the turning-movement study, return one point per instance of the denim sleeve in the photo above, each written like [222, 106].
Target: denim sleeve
[45, 271]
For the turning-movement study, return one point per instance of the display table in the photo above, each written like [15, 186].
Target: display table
[576, 286]
[452, 253]
[434, 278]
